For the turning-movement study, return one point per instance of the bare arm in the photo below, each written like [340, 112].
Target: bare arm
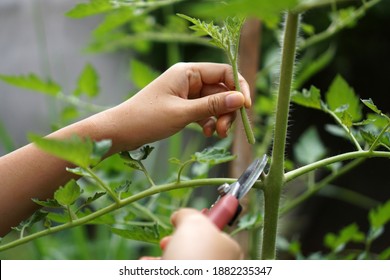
[185, 93]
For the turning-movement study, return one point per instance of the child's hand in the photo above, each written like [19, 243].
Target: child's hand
[196, 237]
[185, 93]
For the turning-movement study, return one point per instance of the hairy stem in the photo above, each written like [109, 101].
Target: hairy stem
[275, 179]
[347, 130]
[378, 138]
[244, 116]
[324, 162]
[318, 186]
[103, 185]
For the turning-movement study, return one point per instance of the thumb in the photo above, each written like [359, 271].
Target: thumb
[217, 104]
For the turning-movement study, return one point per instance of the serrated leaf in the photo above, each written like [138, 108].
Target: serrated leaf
[88, 82]
[114, 20]
[96, 196]
[380, 215]
[32, 82]
[36, 217]
[309, 98]
[151, 234]
[348, 234]
[341, 94]
[50, 203]
[346, 118]
[268, 11]
[141, 74]
[68, 194]
[370, 136]
[139, 154]
[69, 112]
[225, 37]
[213, 156]
[123, 188]
[75, 150]
[94, 7]
[309, 147]
[79, 171]
[100, 149]
[370, 104]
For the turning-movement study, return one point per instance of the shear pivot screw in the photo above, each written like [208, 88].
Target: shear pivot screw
[223, 189]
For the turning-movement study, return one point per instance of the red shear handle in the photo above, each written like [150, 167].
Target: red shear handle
[223, 211]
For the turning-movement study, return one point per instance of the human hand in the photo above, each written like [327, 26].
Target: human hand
[196, 237]
[185, 93]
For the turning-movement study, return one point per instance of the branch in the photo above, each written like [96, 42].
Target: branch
[337, 26]
[318, 186]
[343, 157]
[114, 206]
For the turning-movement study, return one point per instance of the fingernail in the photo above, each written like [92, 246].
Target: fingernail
[234, 100]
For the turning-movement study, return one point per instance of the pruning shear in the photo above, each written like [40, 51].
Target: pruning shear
[227, 207]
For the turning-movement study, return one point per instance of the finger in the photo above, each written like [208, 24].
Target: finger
[214, 105]
[207, 90]
[235, 249]
[216, 73]
[180, 216]
[164, 242]
[208, 125]
[245, 90]
[224, 124]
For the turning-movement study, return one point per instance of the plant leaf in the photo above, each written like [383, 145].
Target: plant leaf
[139, 154]
[96, 196]
[68, 194]
[151, 234]
[141, 74]
[213, 156]
[50, 203]
[309, 147]
[92, 8]
[32, 82]
[114, 20]
[348, 234]
[88, 82]
[341, 94]
[309, 98]
[74, 150]
[268, 11]
[370, 104]
[380, 215]
[36, 217]
[100, 149]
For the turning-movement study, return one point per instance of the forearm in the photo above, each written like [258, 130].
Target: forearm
[31, 173]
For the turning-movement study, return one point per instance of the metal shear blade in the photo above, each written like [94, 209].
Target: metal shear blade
[245, 182]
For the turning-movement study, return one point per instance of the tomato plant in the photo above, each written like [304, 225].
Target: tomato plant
[113, 196]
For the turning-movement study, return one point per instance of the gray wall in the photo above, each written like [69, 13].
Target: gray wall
[36, 37]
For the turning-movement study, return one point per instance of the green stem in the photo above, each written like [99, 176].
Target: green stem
[275, 179]
[103, 185]
[337, 26]
[324, 162]
[318, 186]
[182, 168]
[347, 130]
[114, 206]
[149, 213]
[244, 116]
[145, 171]
[378, 138]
